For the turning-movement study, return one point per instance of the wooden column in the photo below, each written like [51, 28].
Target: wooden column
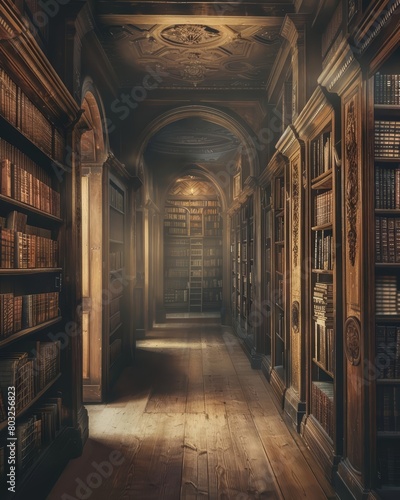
[293, 148]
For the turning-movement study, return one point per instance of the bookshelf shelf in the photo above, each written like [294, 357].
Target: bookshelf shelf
[14, 135]
[3, 424]
[385, 177]
[323, 181]
[321, 227]
[37, 216]
[388, 435]
[384, 159]
[115, 209]
[28, 331]
[323, 271]
[23, 272]
[323, 368]
[387, 211]
[116, 242]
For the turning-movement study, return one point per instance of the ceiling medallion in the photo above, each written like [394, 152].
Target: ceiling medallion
[194, 70]
[190, 34]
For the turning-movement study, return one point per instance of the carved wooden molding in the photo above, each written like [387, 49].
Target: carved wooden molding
[295, 316]
[374, 25]
[296, 211]
[352, 195]
[352, 339]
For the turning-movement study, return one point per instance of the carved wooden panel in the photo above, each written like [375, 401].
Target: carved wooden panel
[352, 186]
[352, 255]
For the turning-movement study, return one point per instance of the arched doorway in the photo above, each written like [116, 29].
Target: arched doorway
[192, 239]
[93, 155]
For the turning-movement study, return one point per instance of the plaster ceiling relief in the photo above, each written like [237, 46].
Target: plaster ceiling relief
[194, 55]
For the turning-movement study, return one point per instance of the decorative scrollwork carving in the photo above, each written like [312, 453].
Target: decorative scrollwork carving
[295, 316]
[189, 34]
[352, 180]
[352, 338]
[295, 212]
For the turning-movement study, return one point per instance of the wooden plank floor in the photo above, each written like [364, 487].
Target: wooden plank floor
[191, 420]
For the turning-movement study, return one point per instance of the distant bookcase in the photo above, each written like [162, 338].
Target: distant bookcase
[192, 254]
[266, 208]
[386, 176]
[115, 308]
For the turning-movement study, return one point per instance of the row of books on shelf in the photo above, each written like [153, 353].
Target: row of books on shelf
[212, 225]
[387, 295]
[178, 262]
[19, 312]
[20, 111]
[33, 433]
[196, 262]
[322, 405]
[195, 218]
[21, 185]
[388, 408]
[387, 188]
[387, 239]
[174, 295]
[212, 272]
[116, 260]
[212, 283]
[323, 250]
[212, 232]
[324, 339]
[212, 296]
[387, 89]
[389, 464]
[213, 251]
[387, 139]
[116, 198]
[176, 273]
[212, 262]
[181, 231]
[29, 370]
[17, 157]
[323, 208]
[177, 251]
[323, 304]
[175, 223]
[387, 338]
[194, 203]
[173, 216]
[26, 251]
[321, 157]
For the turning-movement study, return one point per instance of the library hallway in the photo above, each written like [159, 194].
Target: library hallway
[191, 420]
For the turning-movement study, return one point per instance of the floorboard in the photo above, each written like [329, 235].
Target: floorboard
[191, 420]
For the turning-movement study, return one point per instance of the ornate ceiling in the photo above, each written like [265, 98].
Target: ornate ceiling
[194, 55]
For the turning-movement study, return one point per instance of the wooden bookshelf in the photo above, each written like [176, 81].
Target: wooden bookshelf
[385, 96]
[115, 327]
[37, 213]
[192, 254]
[242, 262]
